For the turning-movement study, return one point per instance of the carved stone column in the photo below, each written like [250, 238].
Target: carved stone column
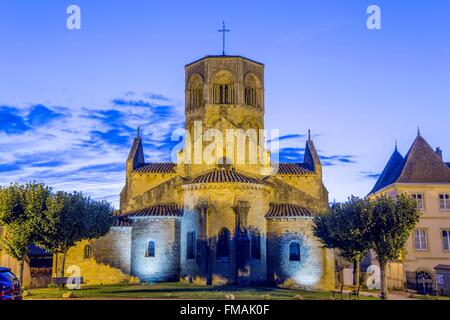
[202, 248]
[242, 242]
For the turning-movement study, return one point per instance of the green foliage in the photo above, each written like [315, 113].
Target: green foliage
[99, 219]
[383, 224]
[12, 204]
[392, 223]
[346, 228]
[31, 213]
[20, 207]
[70, 218]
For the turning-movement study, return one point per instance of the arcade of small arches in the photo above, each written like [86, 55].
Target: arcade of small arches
[223, 247]
[223, 90]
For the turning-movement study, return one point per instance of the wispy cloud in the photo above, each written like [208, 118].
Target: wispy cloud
[12, 122]
[84, 148]
[337, 159]
[41, 115]
[289, 154]
[290, 149]
[287, 137]
[370, 174]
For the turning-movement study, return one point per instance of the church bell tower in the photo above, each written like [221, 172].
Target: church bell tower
[222, 85]
[224, 92]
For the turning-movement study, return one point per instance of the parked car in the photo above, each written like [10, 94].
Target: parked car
[9, 285]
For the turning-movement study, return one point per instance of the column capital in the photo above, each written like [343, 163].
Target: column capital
[241, 207]
[202, 206]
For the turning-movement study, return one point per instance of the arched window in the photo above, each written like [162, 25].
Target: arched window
[150, 249]
[294, 251]
[255, 245]
[195, 92]
[223, 88]
[87, 252]
[252, 91]
[223, 249]
[190, 245]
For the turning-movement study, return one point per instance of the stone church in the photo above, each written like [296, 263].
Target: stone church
[226, 216]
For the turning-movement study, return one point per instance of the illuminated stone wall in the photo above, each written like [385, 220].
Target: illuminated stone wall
[189, 223]
[221, 198]
[109, 263]
[142, 182]
[316, 266]
[165, 265]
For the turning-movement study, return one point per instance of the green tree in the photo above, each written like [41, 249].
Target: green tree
[70, 218]
[392, 223]
[346, 228]
[20, 206]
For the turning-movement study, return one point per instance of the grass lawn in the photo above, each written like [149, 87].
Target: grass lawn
[182, 291]
[422, 297]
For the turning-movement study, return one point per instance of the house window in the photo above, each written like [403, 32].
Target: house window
[420, 239]
[255, 245]
[191, 245]
[150, 249]
[223, 249]
[446, 239]
[294, 251]
[419, 199]
[444, 201]
[87, 252]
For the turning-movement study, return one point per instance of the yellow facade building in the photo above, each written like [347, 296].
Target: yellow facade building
[424, 175]
[222, 211]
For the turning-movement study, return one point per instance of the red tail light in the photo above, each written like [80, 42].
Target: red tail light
[5, 290]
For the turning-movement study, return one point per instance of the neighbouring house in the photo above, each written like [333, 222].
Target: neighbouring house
[424, 175]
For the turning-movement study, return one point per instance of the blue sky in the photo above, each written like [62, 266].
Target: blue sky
[70, 101]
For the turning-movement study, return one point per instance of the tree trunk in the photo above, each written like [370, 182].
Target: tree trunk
[383, 282]
[63, 263]
[21, 263]
[56, 265]
[356, 272]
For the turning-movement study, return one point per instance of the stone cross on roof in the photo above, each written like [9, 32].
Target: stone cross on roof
[223, 30]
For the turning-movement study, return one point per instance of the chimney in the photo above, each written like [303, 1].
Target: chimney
[439, 152]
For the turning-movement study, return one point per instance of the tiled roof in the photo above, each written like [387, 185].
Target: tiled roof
[421, 165]
[387, 176]
[287, 211]
[225, 175]
[442, 267]
[164, 167]
[294, 169]
[122, 222]
[159, 210]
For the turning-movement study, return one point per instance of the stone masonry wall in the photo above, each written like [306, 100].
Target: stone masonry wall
[316, 266]
[110, 261]
[165, 265]
[221, 199]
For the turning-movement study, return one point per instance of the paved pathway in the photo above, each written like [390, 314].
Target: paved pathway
[394, 295]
